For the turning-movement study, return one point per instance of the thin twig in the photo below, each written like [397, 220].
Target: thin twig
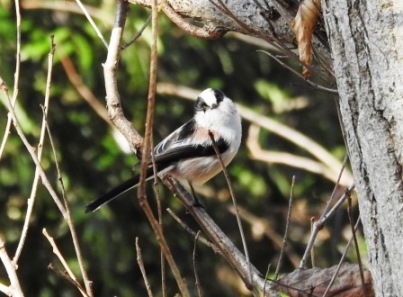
[91, 21]
[336, 186]
[318, 225]
[16, 74]
[84, 91]
[197, 279]
[343, 256]
[315, 85]
[69, 220]
[159, 214]
[235, 203]
[285, 238]
[228, 250]
[313, 246]
[14, 288]
[31, 199]
[357, 249]
[31, 150]
[140, 262]
[59, 255]
[42, 174]
[262, 225]
[67, 277]
[193, 233]
[266, 277]
[138, 34]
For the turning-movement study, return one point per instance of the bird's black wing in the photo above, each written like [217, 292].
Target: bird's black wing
[182, 144]
[188, 151]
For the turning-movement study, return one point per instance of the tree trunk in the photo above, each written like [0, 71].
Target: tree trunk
[366, 40]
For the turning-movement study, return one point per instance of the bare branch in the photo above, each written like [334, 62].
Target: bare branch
[112, 94]
[142, 268]
[235, 203]
[84, 91]
[67, 277]
[318, 225]
[229, 251]
[285, 238]
[16, 75]
[59, 255]
[193, 233]
[31, 199]
[197, 282]
[94, 26]
[69, 221]
[14, 289]
[261, 226]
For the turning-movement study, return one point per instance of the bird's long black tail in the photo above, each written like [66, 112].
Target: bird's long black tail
[116, 192]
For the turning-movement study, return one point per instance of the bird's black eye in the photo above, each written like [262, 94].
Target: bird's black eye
[219, 95]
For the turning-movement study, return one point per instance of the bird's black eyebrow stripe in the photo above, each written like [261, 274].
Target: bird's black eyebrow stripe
[219, 95]
[187, 129]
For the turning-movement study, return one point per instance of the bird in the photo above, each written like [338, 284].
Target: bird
[187, 154]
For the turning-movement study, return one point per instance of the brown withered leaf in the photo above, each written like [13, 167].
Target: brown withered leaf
[313, 282]
[302, 25]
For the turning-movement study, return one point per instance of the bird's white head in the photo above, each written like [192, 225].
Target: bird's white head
[215, 102]
[217, 112]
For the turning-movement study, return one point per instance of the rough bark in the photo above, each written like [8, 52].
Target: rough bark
[266, 19]
[366, 41]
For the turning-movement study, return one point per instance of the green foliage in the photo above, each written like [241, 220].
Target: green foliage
[91, 159]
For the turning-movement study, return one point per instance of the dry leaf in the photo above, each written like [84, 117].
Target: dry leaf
[313, 282]
[302, 25]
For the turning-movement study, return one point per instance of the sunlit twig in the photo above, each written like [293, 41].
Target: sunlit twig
[140, 262]
[318, 225]
[91, 21]
[31, 199]
[14, 289]
[197, 279]
[285, 238]
[16, 74]
[235, 203]
[59, 255]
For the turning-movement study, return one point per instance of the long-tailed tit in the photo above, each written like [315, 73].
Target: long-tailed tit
[188, 154]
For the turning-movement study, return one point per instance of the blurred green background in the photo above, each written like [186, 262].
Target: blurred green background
[91, 159]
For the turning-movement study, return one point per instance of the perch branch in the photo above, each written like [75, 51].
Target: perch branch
[229, 251]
